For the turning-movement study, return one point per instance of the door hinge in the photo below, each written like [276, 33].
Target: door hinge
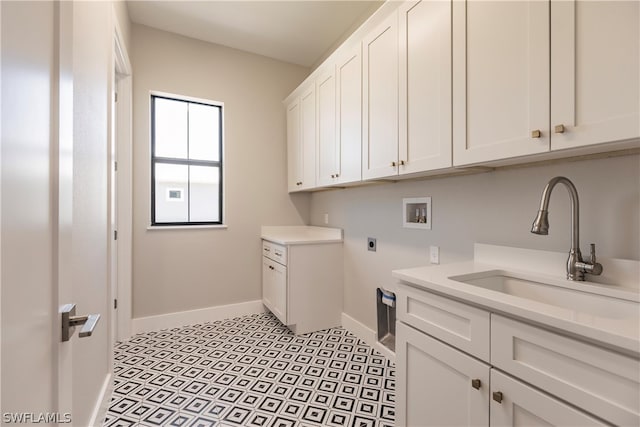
[115, 166]
[115, 96]
[115, 234]
[115, 304]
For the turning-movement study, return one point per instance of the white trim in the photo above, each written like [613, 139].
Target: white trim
[1, 412]
[186, 227]
[363, 332]
[193, 317]
[102, 403]
[124, 150]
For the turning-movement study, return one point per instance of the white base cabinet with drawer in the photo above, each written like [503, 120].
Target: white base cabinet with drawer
[302, 284]
[459, 364]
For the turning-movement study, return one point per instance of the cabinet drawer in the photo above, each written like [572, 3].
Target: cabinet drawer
[460, 325]
[275, 252]
[602, 381]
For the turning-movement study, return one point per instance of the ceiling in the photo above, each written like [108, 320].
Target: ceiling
[296, 31]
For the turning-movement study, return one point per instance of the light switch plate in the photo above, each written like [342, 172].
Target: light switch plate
[434, 254]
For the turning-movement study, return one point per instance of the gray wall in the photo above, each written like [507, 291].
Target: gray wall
[178, 270]
[495, 207]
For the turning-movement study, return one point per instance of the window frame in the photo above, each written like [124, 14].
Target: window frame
[188, 162]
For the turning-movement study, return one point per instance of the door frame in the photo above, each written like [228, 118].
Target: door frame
[122, 291]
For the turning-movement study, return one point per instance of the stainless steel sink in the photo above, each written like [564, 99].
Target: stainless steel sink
[555, 293]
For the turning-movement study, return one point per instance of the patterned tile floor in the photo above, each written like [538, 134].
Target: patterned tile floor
[250, 371]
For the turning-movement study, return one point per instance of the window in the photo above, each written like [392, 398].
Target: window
[186, 162]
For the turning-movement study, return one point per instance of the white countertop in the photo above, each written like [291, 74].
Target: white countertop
[617, 333]
[301, 235]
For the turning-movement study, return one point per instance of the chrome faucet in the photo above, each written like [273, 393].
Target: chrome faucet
[576, 266]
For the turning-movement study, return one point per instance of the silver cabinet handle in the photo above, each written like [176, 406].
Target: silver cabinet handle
[70, 321]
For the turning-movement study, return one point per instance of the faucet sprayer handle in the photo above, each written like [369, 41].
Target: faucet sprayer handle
[593, 267]
[593, 253]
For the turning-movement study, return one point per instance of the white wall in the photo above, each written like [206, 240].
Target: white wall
[495, 207]
[179, 270]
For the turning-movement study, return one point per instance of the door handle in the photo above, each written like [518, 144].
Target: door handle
[70, 321]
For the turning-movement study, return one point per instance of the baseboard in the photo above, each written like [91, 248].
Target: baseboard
[367, 335]
[102, 403]
[192, 317]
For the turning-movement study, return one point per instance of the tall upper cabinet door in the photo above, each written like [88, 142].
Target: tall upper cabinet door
[425, 86]
[380, 100]
[294, 149]
[349, 116]
[327, 146]
[595, 48]
[500, 79]
[308, 137]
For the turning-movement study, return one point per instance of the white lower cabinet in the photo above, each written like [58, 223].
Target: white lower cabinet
[302, 284]
[529, 376]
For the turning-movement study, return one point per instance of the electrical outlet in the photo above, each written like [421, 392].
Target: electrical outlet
[326, 218]
[434, 254]
[371, 244]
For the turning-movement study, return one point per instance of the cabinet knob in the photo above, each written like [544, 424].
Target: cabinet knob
[393, 164]
[536, 133]
[476, 383]
[337, 175]
[559, 128]
[401, 162]
[497, 396]
[333, 176]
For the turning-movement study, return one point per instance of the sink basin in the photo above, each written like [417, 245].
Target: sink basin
[566, 295]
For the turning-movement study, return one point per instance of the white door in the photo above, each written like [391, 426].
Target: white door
[380, 100]
[425, 86]
[308, 137]
[437, 384]
[500, 79]
[514, 403]
[349, 116]
[54, 206]
[595, 64]
[327, 152]
[294, 146]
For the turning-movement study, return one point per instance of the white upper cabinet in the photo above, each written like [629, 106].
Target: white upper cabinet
[380, 100]
[349, 116]
[437, 85]
[500, 79]
[595, 93]
[327, 144]
[535, 76]
[425, 86]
